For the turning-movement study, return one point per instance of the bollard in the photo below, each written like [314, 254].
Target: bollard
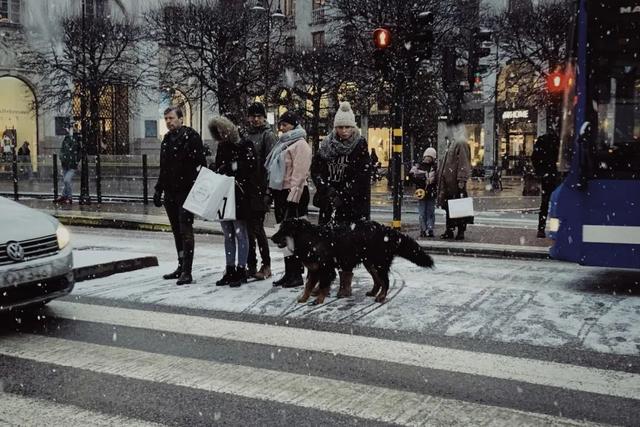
[14, 170]
[55, 177]
[98, 178]
[145, 179]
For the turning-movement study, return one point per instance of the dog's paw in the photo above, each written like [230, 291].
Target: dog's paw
[381, 298]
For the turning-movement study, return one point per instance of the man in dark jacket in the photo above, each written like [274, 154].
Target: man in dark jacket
[544, 158]
[263, 139]
[69, 158]
[181, 156]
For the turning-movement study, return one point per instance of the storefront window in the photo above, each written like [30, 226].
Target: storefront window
[10, 11]
[18, 121]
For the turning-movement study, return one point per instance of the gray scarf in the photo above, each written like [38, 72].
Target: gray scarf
[275, 162]
[332, 147]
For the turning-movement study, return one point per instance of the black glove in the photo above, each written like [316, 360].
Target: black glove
[292, 210]
[267, 200]
[157, 199]
[334, 198]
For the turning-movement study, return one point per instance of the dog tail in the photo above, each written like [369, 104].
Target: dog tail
[410, 249]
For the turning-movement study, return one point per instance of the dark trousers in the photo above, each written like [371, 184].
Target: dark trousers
[452, 223]
[547, 185]
[257, 234]
[181, 222]
[292, 265]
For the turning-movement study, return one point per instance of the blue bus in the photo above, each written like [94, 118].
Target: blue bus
[594, 215]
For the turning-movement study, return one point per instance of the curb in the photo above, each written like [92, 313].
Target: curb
[496, 251]
[109, 268]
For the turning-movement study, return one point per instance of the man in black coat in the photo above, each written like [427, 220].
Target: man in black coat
[181, 156]
[259, 133]
[544, 158]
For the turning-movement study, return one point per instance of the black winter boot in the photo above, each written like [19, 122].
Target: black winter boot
[176, 273]
[287, 272]
[227, 277]
[238, 278]
[184, 279]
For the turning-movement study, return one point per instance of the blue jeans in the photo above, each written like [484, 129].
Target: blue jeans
[235, 230]
[67, 179]
[427, 210]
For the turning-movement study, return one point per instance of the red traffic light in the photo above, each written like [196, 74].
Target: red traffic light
[382, 38]
[556, 82]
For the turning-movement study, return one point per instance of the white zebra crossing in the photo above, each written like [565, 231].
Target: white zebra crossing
[561, 375]
[340, 397]
[26, 412]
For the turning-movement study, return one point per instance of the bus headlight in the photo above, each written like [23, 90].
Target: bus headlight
[554, 225]
[63, 235]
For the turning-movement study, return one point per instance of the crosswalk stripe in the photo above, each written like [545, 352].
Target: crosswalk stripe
[571, 377]
[336, 396]
[26, 411]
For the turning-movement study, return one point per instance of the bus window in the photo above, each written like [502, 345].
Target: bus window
[614, 93]
[567, 133]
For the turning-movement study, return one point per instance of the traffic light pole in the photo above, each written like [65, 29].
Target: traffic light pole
[397, 150]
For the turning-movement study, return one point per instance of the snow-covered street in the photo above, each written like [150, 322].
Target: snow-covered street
[541, 303]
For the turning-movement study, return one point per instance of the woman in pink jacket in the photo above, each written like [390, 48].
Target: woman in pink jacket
[288, 166]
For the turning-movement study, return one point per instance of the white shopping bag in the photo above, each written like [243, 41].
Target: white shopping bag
[212, 196]
[460, 208]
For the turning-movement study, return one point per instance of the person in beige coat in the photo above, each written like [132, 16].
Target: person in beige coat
[453, 174]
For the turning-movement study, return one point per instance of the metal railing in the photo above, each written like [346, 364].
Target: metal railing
[319, 15]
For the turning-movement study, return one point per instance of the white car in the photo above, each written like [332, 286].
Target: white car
[36, 263]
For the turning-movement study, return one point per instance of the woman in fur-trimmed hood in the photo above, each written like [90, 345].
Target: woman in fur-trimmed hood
[235, 157]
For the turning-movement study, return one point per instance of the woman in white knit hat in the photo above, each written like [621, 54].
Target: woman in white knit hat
[424, 176]
[341, 172]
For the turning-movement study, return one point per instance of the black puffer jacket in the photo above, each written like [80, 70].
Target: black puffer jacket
[263, 140]
[181, 155]
[236, 157]
[346, 179]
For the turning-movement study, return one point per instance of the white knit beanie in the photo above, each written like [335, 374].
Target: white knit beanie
[345, 116]
[431, 152]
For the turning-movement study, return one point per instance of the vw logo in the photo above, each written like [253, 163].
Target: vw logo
[15, 251]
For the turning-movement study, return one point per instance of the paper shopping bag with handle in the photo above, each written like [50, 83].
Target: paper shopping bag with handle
[460, 208]
[209, 193]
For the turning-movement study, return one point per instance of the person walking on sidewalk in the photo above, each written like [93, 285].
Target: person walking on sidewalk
[24, 156]
[453, 174]
[288, 167]
[69, 158]
[235, 157]
[424, 176]
[260, 134]
[544, 158]
[181, 157]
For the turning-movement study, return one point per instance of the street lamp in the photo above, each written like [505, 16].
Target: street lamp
[277, 15]
[85, 198]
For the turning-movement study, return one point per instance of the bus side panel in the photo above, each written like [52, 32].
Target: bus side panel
[611, 229]
[567, 206]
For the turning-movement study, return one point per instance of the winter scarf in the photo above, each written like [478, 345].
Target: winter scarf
[275, 162]
[332, 147]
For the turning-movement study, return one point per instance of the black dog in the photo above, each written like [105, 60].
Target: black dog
[322, 249]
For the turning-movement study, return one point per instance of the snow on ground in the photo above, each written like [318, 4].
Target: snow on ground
[543, 303]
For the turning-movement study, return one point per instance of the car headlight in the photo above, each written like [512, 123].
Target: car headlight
[64, 236]
[554, 225]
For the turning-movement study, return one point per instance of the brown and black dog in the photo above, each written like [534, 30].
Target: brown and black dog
[322, 249]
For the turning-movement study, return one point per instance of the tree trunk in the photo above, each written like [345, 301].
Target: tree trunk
[315, 126]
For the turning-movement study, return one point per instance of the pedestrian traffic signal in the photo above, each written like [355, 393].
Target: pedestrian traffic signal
[477, 50]
[382, 38]
[422, 41]
[556, 82]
